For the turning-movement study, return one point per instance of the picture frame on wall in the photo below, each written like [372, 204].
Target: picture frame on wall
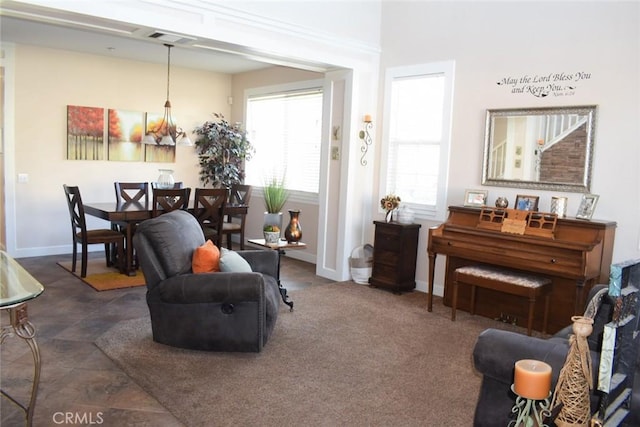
[527, 203]
[85, 133]
[475, 197]
[587, 206]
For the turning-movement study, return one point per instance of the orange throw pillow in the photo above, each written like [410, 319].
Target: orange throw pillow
[206, 258]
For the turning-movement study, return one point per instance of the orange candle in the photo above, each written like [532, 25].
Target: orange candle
[367, 118]
[532, 379]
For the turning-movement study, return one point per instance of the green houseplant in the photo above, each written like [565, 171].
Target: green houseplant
[275, 196]
[222, 149]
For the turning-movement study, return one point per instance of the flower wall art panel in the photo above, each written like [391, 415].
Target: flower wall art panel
[85, 133]
[157, 153]
[124, 136]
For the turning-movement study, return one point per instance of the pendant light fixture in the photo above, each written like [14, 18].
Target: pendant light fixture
[166, 132]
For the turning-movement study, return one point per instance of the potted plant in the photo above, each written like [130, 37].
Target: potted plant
[271, 234]
[222, 149]
[275, 196]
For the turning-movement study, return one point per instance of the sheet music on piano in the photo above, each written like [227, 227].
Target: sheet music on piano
[518, 221]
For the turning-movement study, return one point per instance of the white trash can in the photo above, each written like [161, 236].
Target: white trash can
[361, 264]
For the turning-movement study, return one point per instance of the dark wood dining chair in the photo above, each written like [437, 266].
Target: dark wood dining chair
[130, 193]
[236, 213]
[208, 209]
[82, 236]
[167, 200]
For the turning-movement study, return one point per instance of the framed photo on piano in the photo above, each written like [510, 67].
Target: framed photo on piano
[587, 206]
[527, 203]
[475, 197]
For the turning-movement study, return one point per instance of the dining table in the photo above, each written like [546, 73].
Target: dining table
[130, 214]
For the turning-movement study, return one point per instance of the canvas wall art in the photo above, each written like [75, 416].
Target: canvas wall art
[124, 135]
[85, 133]
[157, 153]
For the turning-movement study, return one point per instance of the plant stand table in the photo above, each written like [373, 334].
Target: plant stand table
[281, 246]
[17, 287]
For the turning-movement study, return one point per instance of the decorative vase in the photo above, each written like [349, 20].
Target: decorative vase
[405, 215]
[293, 232]
[502, 202]
[165, 180]
[389, 216]
[575, 380]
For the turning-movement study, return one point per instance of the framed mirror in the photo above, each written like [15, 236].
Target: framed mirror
[540, 148]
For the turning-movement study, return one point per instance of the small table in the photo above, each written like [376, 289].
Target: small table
[280, 247]
[17, 287]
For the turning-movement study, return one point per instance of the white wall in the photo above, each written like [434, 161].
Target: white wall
[493, 40]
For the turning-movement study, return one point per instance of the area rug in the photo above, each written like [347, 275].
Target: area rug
[103, 278]
[347, 355]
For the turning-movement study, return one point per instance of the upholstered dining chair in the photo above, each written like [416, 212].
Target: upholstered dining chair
[167, 200]
[239, 195]
[82, 236]
[208, 209]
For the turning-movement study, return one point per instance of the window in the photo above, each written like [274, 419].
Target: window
[417, 126]
[284, 124]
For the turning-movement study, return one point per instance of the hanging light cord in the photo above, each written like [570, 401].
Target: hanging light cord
[168, 67]
[169, 46]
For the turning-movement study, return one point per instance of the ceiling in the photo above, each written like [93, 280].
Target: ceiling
[58, 30]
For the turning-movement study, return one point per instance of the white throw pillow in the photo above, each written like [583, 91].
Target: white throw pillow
[230, 261]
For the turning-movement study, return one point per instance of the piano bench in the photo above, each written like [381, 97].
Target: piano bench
[503, 280]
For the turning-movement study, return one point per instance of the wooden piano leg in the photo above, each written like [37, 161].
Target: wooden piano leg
[473, 300]
[432, 268]
[579, 303]
[546, 314]
[532, 305]
[454, 300]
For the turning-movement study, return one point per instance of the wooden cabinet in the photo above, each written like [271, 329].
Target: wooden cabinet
[394, 256]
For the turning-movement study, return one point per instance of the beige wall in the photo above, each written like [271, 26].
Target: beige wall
[46, 82]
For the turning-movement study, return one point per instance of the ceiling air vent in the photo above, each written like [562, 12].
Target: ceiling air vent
[171, 38]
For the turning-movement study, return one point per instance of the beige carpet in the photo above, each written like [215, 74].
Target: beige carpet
[349, 355]
[103, 278]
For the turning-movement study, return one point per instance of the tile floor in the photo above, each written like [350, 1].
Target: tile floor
[79, 385]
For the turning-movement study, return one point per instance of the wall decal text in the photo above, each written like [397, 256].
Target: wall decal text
[542, 85]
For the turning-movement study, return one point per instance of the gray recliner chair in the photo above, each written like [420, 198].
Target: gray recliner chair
[496, 352]
[222, 311]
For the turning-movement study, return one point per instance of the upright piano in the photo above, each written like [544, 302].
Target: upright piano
[577, 257]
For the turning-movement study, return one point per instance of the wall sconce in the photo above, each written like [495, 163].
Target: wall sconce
[365, 136]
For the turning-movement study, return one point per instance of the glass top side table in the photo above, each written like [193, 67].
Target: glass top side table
[280, 246]
[17, 287]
